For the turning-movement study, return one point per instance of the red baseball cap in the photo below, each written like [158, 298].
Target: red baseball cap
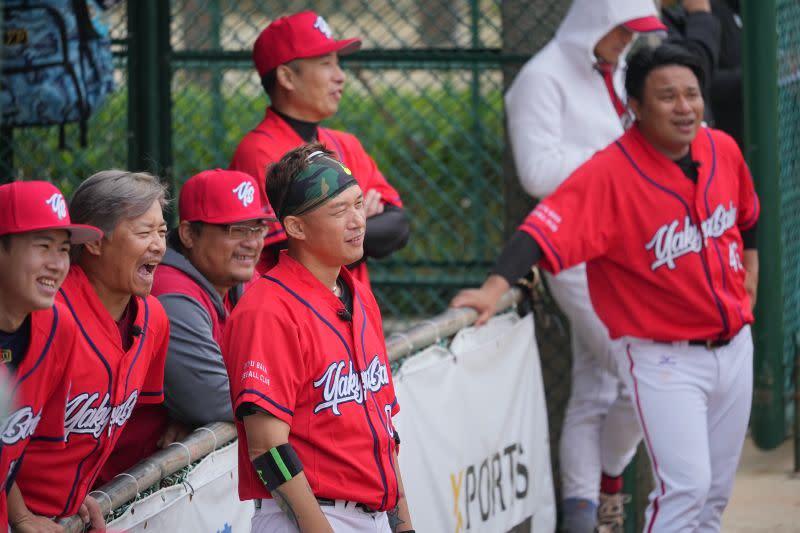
[37, 206]
[220, 197]
[645, 25]
[297, 36]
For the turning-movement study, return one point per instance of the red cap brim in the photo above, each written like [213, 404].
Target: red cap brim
[81, 233]
[78, 233]
[343, 47]
[645, 25]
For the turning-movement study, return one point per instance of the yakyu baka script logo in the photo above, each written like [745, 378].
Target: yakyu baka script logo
[84, 418]
[340, 387]
[670, 242]
[245, 192]
[20, 425]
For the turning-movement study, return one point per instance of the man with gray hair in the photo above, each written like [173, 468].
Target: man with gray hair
[119, 358]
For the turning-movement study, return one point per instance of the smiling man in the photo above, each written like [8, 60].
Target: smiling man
[664, 218]
[310, 380]
[119, 356]
[297, 60]
[37, 335]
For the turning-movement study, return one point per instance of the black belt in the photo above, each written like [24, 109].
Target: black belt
[710, 344]
[330, 502]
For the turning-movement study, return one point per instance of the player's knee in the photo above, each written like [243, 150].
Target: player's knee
[697, 487]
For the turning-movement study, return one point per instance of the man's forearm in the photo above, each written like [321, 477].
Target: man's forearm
[750, 260]
[301, 507]
[400, 516]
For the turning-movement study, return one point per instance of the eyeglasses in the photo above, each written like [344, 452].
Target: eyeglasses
[240, 232]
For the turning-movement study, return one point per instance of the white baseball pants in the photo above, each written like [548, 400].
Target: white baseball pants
[600, 432]
[693, 405]
[343, 519]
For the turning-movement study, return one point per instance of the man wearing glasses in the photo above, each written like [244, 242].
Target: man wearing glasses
[210, 257]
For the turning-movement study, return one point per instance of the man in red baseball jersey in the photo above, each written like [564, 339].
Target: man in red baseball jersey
[37, 336]
[310, 380]
[119, 360]
[297, 60]
[664, 218]
[209, 258]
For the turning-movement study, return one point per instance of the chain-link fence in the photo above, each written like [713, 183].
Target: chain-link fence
[788, 17]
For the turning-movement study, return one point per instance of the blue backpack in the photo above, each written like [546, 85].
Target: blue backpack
[56, 64]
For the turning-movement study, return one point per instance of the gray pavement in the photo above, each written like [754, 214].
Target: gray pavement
[766, 494]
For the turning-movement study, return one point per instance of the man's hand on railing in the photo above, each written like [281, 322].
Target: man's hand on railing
[35, 524]
[91, 514]
[174, 432]
[483, 300]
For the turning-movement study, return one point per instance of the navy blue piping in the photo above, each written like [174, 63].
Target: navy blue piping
[708, 214]
[302, 301]
[349, 355]
[720, 308]
[747, 224]
[547, 243]
[86, 336]
[48, 439]
[154, 393]
[266, 398]
[142, 339]
[380, 415]
[108, 370]
[262, 132]
[45, 350]
[338, 146]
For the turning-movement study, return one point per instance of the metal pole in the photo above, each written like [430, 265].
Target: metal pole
[761, 151]
[149, 82]
[797, 402]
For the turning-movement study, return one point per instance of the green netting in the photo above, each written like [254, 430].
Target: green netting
[788, 21]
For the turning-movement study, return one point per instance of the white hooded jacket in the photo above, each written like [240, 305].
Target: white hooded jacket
[558, 108]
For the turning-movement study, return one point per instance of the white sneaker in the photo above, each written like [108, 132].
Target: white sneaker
[611, 512]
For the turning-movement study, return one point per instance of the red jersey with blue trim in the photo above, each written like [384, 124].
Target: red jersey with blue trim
[663, 254]
[140, 438]
[39, 388]
[273, 137]
[288, 351]
[107, 383]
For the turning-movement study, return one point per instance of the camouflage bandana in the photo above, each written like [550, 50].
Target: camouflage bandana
[325, 178]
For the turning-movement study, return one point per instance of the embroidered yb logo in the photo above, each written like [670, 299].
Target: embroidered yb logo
[59, 206]
[323, 27]
[245, 192]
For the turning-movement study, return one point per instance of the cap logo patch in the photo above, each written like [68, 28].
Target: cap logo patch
[245, 192]
[323, 27]
[59, 206]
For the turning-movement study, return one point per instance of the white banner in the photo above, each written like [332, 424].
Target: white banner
[475, 453]
[206, 502]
